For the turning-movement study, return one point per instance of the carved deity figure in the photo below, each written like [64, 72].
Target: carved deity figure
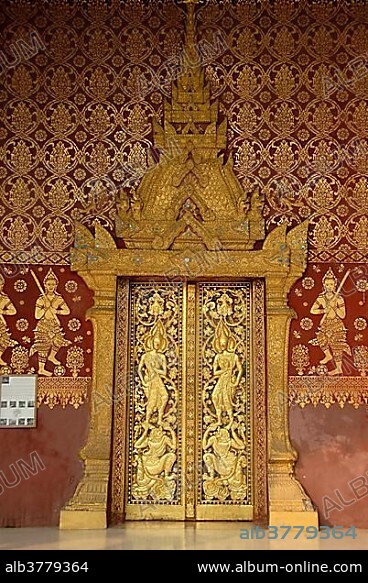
[123, 204]
[331, 335]
[227, 370]
[49, 336]
[152, 371]
[156, 459]
[136, 206]
[6, 309]
[225, 463]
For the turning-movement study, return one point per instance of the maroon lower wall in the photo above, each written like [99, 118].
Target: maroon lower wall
[332, 465]
[34, 496]
[333, 461]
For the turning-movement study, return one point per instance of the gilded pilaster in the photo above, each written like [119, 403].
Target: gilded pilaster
[88, 506]
[288, 503]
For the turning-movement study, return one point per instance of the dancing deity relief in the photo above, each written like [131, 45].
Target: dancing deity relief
[152, 371]
[7, 308]
[331, 334]
[155, 463]
[224, 442]
[156, 398]
[225, 464]
[49, 335]
[227, 370]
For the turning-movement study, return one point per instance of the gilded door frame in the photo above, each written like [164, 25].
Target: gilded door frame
[280, 262]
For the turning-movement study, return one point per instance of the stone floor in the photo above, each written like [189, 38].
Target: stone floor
[169, 536]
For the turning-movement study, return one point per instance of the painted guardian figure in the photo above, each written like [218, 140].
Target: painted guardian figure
[7, 308]
[49, 335]
[331, 335]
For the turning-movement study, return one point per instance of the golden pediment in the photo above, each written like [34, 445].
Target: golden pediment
[191, 198]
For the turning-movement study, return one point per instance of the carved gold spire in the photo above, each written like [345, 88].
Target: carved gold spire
[192, 197]
[190, 111]
[190, 28]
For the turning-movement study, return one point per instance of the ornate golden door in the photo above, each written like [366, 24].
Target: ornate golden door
[190, 421]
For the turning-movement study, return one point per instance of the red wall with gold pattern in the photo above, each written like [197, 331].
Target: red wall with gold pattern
[79, 88]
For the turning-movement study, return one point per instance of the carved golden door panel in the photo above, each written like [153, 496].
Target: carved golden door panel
[190, 411]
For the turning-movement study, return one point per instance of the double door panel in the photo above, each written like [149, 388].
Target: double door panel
[190, 414]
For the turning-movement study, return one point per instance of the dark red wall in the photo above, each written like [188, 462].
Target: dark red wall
[333, 461]
[332, 465]
[37, 501]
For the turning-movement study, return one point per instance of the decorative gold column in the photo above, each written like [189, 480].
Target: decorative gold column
[88, 506]
[288, 503]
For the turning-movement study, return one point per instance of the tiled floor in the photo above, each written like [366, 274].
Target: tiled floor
[168, 535]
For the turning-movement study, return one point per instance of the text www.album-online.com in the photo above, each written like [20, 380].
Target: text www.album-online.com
[303, 567]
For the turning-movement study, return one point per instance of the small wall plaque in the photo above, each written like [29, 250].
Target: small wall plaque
[18, 401]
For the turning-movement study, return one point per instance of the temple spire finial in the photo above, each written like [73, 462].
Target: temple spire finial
[190, 31]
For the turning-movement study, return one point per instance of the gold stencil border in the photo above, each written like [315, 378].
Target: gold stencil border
[191, 407]
[259, 399]
[38, 257]
[64, 391]
[327, 391]
[120, 399]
